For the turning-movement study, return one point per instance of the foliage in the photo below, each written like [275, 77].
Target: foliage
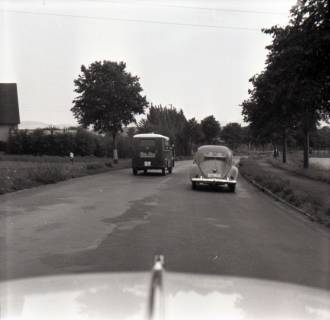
[167, 121]
[292, 93]
[233, 135]
[108, 97]
[193, 134]
[211, 129]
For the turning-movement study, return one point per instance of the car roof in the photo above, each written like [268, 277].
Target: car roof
[150, 135]
[214, 148]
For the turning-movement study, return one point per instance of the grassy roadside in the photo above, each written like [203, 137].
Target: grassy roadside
[282, 187]
[21, 172]
[294, 165]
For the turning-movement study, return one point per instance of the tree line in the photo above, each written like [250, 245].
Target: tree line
[186, 135]
[81, 143]
[291, 96]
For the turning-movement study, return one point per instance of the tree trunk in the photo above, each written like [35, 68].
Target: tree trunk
[115, 151]
[306, 149]
[284, 142]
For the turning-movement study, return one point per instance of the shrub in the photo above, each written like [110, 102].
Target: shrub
[94, 166]
[49, 174]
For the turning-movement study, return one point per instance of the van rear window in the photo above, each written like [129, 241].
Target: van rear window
[147, 143]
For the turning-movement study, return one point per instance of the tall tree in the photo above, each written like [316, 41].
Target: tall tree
[294, 90]
[232, 134]
[303, 46]
[166, 120]
[211, 129]
[108, 98]
[193, 134]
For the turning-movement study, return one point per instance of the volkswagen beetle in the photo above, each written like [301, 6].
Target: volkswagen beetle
[213, 165]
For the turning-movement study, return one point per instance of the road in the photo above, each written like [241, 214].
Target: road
[118, 222]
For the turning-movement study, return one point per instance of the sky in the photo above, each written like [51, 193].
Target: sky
[196, 55]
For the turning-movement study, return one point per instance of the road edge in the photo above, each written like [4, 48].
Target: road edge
[278, 198]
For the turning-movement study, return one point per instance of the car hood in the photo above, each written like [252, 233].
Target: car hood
[186, 296]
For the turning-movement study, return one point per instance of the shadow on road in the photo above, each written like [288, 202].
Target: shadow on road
[206, 188]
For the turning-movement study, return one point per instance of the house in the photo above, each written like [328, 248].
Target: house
[9, 112]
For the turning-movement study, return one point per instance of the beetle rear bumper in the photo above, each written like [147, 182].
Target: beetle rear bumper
[213, 181]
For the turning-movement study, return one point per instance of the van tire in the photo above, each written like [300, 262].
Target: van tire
[193, 185]
[135, 171]
[232, 187]
[163, 172]
[145, 171]
[169, 170]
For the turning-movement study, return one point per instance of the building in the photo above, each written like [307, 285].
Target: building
[9, 110]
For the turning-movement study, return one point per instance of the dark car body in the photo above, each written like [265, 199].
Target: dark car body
[152, 151]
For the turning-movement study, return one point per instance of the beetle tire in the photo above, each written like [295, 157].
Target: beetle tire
[163, 172]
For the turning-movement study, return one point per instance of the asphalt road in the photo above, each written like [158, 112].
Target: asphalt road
[118, 222]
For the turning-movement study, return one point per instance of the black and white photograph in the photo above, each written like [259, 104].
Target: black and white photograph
[164, 159]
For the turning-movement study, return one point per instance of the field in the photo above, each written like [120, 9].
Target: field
[319, 167]
[20, 172]
[321, 163]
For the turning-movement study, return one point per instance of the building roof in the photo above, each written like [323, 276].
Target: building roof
[9, 112]
[150, 135]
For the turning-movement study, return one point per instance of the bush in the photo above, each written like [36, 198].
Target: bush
[94, 166]
[3, 146]
[108, 164]
[49, 174]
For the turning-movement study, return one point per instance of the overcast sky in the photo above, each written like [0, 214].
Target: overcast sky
[196, 55]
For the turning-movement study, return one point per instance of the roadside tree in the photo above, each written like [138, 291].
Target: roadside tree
[108, 98]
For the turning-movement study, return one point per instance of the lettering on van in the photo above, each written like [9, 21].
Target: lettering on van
[147, 154]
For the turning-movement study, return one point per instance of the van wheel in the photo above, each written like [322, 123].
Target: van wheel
[169, 170]
[135, 171]
[232, 187]
[145, 171]
[163, 172]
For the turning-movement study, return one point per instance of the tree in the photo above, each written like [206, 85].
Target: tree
[193, 134]
[303, 46]
[108, 98]
[293, 92]
[168, 121]
[211, 129]
[232, 134]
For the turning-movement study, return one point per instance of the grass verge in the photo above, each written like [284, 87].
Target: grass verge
[314, 172]
[283, 188]
[21, 172]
